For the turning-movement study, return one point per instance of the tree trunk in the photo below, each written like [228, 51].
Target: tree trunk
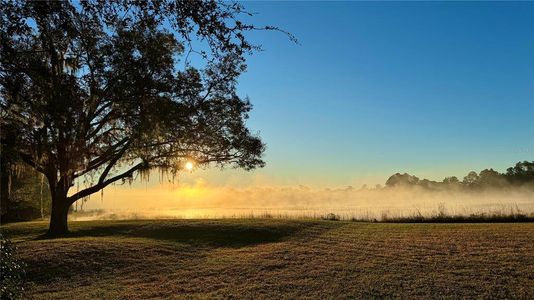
[58, 215]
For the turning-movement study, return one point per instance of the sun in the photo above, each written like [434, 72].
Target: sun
[189, 166]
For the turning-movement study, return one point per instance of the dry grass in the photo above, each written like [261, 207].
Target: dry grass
[277, 259]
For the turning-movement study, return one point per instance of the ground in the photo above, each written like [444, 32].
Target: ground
[276, 259]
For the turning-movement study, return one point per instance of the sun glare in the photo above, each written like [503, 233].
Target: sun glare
[189, 166]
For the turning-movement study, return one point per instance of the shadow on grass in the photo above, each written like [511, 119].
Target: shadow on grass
[195, 234]
[82, 253]
[474, 218]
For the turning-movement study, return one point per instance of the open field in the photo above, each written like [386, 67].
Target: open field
[273, 258]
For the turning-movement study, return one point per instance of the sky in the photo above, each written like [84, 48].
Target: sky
[373, 88]
[434, 89]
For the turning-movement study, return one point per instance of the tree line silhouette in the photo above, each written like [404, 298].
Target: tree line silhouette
[521, 174]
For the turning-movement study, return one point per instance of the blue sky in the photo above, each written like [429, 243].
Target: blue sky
[374, 88]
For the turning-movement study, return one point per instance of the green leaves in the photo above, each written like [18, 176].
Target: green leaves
[11, 271]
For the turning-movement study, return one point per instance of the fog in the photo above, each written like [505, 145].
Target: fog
[200, 200]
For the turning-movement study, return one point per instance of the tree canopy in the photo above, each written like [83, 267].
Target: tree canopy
[105, 90]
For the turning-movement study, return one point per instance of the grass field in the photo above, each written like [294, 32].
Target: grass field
[277, 259]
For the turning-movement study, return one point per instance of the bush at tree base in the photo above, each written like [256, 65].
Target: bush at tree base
[11, 271]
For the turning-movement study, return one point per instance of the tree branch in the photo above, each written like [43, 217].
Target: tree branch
[103, 158]
[112, 163]
[95, 188]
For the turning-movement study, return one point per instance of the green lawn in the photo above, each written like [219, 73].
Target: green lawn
[277, 259]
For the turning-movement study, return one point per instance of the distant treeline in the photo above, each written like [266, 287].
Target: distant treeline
[24, 193]
[522, 174]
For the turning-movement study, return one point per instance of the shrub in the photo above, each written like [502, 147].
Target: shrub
[11, 271]
[331, 217]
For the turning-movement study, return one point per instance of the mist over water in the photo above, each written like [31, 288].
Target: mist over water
[201, 200]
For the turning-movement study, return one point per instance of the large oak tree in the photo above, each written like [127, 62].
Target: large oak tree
[103, 90]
